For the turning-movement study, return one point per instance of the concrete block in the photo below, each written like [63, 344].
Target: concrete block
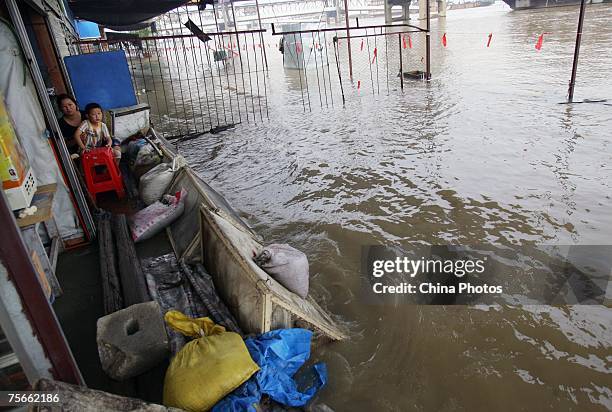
[132, 340]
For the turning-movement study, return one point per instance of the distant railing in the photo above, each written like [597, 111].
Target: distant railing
[194, 83]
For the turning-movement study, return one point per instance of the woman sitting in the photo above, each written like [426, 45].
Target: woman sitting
[70, 121]
[94, 133]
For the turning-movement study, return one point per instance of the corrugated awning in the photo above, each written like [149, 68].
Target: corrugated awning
[118, 13]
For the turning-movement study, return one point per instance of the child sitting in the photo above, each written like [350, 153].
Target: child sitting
[94, 133]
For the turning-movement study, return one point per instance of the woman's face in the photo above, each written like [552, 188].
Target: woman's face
[68, 107]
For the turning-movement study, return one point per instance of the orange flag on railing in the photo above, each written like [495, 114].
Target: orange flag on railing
[444, 39]
[404, 41]
[409, 42]
[538, 45]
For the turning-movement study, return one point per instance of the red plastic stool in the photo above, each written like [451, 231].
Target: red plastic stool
[101, 172]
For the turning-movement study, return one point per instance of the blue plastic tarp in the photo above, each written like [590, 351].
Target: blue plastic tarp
[87, 29]
[279, 354]
[103, 78]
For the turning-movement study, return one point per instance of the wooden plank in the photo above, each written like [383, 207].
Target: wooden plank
[34, 243]
[42, 277]
[193, 251]
[47, 52]
[133, 283]
[8, 360]
[50, 188]
[54, 252]
[43, 200]
[74, 242]
[111, 288]
[51, 228]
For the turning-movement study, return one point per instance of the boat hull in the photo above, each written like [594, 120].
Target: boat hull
[211, 232]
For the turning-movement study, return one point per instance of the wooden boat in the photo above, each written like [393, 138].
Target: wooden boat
[414, 75]
[211, 232]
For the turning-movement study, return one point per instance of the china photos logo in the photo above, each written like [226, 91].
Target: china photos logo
[487, 274]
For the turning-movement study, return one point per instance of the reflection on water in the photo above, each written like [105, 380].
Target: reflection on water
[484, 154]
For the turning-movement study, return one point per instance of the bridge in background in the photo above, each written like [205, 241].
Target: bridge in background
[270, 11]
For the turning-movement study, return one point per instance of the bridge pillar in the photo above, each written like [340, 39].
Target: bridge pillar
[441, 8]
[229, 23]
[406, 12]
[422, 9]
[388, 12]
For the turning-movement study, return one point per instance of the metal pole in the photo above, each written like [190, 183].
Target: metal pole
[401, 65]
[263, 46]
[42, 319]
[41, 89]
[428, 43]
[570, 97]
[348, 39]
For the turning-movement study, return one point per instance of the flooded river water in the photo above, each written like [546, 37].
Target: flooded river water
[483, 154]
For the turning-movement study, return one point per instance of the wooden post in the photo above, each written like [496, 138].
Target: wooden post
[570, 93]
[47, 52]
[263, 46]
[348, 38]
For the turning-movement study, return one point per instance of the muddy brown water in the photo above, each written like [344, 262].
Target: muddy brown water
[483, 154]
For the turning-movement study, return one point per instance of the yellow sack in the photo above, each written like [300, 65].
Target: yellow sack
[207, 368]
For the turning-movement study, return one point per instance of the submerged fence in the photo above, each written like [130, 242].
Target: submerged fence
[194, 83]
[333, 64]
[198, 82]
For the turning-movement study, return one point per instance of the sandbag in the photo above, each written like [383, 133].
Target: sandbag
[287, 265]
[153, 219]
[207, 368]
[154, 183]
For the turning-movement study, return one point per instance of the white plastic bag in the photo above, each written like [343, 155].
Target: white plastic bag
[287, 265]
[154, 218]
[154, 183]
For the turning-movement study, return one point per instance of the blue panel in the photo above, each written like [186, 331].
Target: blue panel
[103, 78]
[87, 29]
